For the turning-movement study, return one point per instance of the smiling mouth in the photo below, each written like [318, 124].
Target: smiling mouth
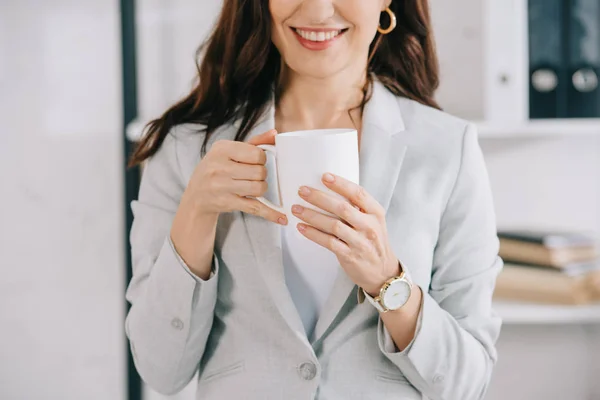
[319, 35]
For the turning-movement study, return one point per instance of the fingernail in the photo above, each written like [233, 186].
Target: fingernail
[301, 227]
[304, 191]
[282, 220]
[328, 178]
[297, 209]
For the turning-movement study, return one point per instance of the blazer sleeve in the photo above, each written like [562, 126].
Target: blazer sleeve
[453, 353]
[171, 310]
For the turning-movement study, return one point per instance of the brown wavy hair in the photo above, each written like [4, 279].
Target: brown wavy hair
[240, 66]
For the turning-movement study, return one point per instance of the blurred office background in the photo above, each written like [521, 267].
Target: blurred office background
[63, 196]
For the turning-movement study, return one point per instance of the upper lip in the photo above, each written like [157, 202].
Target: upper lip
[306, 29]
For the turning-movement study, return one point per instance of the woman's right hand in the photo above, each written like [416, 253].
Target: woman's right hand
[229, 173]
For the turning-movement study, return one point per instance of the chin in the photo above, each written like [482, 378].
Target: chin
[316, 69]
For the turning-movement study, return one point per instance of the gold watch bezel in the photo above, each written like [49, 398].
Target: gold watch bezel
[386, 286]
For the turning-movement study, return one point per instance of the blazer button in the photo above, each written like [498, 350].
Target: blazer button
[307, 371]
[177, 324]
[438, 379]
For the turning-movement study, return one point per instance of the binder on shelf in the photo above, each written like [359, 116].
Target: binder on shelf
[547, 59]
[506, 61]
[541, 61]
[564, 58]
[583, 96]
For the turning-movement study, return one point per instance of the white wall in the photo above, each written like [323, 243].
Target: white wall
[536, 182]
[169, 33]
[61, 241]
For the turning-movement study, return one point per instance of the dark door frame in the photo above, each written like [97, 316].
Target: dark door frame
[131, 175]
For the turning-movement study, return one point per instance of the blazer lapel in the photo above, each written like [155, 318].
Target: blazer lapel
[265, 238]
[382, 152]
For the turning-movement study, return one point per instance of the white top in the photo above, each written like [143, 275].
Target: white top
[310, 273]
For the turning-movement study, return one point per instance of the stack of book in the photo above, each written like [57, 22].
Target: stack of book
[548, 267]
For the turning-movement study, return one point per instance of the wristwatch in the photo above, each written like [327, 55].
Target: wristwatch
[394, 293]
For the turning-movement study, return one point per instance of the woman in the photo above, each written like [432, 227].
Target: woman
[209, 293]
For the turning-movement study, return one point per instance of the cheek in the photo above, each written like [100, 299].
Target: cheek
[364, 16]
[280, 11]
[277, 36]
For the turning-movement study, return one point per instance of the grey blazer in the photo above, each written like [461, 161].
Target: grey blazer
[240, 329]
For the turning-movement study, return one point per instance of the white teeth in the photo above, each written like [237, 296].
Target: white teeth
[317, 36]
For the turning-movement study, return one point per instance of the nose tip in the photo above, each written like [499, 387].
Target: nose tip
[318, 12]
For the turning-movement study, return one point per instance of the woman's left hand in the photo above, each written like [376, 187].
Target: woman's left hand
[358, 237]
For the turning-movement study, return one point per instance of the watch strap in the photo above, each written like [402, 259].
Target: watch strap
[375, 302]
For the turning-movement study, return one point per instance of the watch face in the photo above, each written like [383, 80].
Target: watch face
[397, 294]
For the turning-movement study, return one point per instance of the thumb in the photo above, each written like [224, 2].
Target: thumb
[264, 138]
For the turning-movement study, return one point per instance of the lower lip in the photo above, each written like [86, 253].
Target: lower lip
[317, 46]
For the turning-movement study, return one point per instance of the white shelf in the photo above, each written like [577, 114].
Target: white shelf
[528, 314]
[486, 130]
[539, 128]
[135, 130]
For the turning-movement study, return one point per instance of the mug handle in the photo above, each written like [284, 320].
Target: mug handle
[273, 150]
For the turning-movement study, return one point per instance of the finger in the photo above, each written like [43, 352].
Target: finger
[264, 138]
[249, 188]
[327, 224]
[335, 206]
[255, 207]
[356, 194]
[326, 240]
[239, 171]
[246, 153]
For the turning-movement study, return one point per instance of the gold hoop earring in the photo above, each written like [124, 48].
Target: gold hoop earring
[392, 23]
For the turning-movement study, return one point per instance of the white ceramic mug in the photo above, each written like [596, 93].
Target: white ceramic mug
[301, 159]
